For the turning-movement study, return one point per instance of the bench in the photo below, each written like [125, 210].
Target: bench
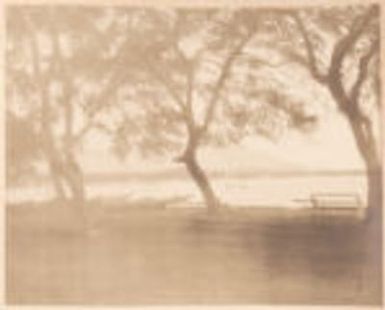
[336, 200]
[333, 201]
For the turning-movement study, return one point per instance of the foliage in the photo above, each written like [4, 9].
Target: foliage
[185, 69]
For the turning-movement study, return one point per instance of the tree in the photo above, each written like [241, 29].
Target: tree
[183, 89]
[166, 85]
[167, 72]
[349, 71]
[51, 54]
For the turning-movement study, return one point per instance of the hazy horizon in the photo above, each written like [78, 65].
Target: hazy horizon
[318, 150]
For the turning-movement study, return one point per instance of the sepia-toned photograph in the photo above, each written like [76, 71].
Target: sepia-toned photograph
[160, 156]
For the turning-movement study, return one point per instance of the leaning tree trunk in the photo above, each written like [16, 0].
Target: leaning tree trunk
[364, 136]
[366, 144]
[203, 183]
[201, 180]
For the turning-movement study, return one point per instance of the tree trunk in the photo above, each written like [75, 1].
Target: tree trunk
[203, 183]
[374, 196]
[67, 178]
[366, 144]
[374, 228]
[56, 180]
[53, 161]
[73, 176]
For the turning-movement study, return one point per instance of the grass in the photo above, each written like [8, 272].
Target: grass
[154, 255]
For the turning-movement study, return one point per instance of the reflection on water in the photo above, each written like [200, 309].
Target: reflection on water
[262, 191]
[264, 256]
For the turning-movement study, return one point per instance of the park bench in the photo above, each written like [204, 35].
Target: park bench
[345, 205]
[334, 201]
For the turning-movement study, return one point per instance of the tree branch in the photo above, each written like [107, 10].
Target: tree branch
[189, 100]
[346, 43]
[363, 71]
[225, 72]
[342, 48]
[99, 104]
[61, 71]
[377, 82]
[311, 60]
[167, 83]
[188, 64]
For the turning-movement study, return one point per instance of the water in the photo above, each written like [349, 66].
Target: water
[257, 191]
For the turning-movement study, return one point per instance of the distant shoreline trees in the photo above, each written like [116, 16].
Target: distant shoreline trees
[51, 60]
